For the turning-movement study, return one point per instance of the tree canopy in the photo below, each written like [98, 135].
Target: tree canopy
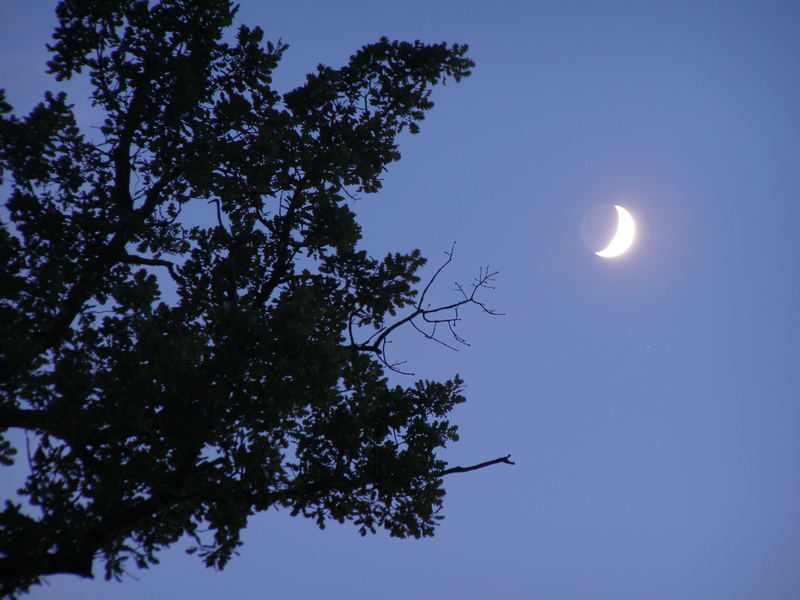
[261, 380]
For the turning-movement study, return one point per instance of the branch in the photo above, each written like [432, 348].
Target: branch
[19, 572]
[219, 214]
[121, 154]
[152, 262]
[382, 335]
[73, 551]
[283, 255]
[449, 255]
[22, 418]
[49, 336]
[376, 343]
[503, 459]
[108, 256]
[80, 292]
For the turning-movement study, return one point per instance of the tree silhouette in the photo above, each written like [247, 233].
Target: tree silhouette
[261, 381]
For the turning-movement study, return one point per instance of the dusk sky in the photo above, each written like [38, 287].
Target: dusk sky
[650, 402]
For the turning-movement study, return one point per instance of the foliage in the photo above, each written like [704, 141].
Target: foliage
[151, 419]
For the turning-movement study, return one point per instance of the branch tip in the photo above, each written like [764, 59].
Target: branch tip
[503, 459]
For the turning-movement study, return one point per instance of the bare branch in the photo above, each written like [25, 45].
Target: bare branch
[449, 255]
[385, 332]
[449, 313]
[432, 336]
[392, 366]
[503, 459]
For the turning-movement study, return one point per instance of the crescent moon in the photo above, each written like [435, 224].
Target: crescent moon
[623, 238]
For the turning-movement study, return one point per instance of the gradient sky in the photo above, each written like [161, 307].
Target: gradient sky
[651, 402]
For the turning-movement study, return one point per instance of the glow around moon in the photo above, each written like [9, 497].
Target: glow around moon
[623, 238]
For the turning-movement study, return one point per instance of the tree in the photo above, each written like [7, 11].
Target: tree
[262, 380]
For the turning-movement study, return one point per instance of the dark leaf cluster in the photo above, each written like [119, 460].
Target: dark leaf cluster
[155, 415]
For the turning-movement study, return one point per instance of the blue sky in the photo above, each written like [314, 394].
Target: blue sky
[651, 402]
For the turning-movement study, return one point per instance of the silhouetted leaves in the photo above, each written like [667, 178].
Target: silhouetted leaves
[151, 418]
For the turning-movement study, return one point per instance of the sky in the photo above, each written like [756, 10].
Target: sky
[650, 402]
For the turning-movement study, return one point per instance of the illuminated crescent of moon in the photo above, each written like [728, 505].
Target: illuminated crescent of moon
[623, 238]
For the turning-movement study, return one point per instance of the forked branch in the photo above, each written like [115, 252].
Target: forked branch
[431, 319]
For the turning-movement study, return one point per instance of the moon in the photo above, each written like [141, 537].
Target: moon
[623, 238]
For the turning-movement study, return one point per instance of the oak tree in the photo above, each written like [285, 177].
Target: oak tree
[174, 376]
